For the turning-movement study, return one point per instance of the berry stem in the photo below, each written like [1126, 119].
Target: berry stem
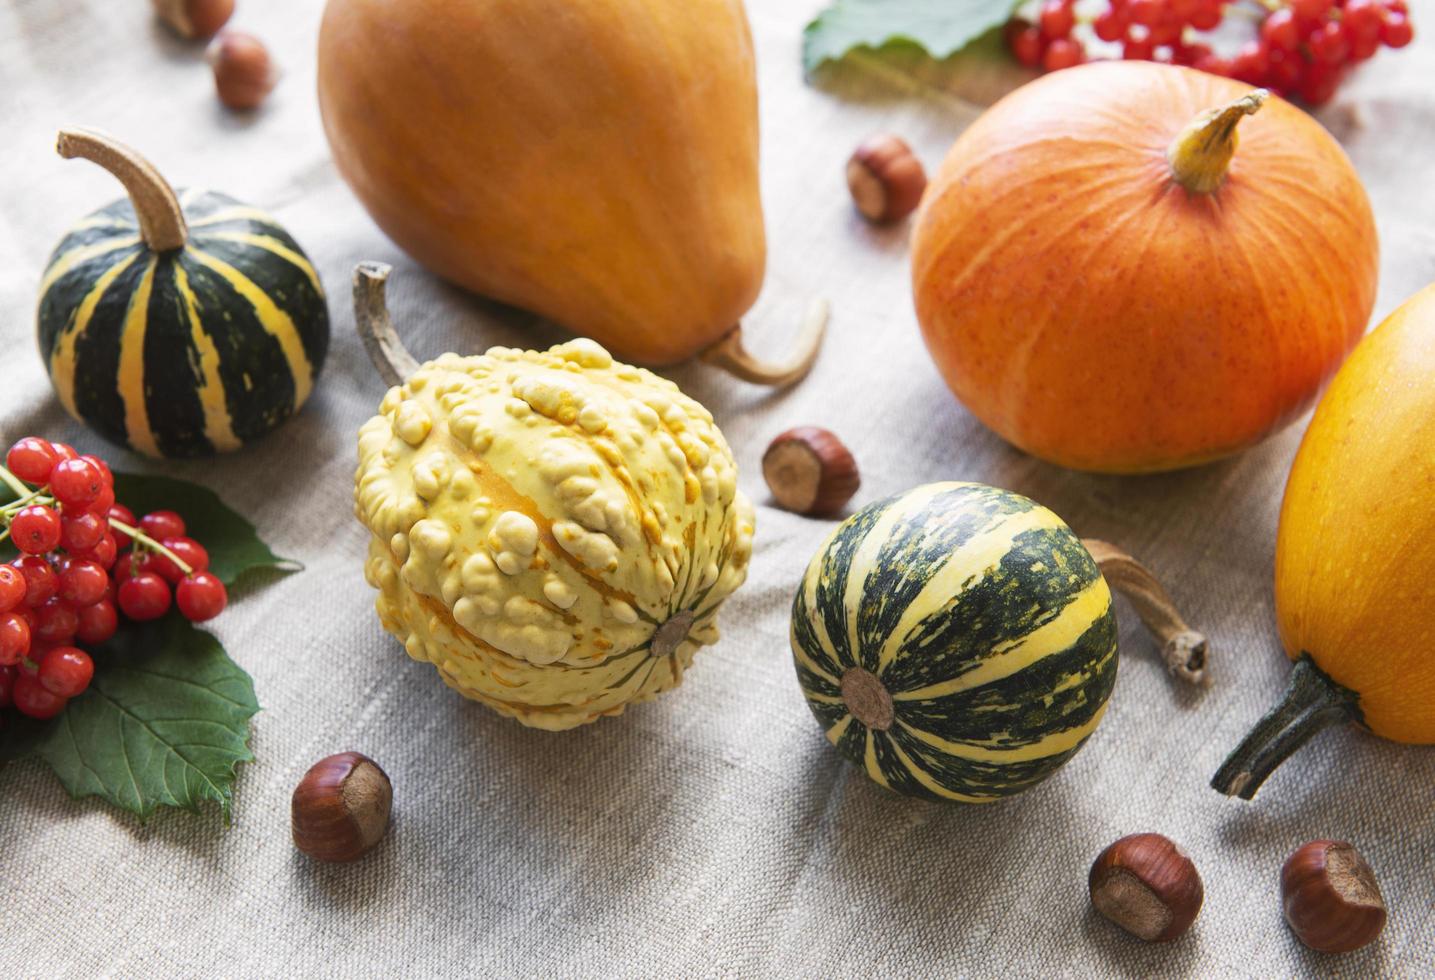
[138, 536]
[13, 482]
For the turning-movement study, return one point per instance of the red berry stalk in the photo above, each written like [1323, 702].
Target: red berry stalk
[74, 570]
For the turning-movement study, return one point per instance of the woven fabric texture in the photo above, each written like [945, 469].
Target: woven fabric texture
[713, 832]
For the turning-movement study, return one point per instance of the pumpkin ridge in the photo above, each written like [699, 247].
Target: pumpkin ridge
[270, 243]
[131, 369]
[62, 356]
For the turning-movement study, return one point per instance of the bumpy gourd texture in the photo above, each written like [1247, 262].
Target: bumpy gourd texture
[537, 517]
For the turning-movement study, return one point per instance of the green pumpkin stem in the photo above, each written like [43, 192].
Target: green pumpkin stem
[1201, 154]
[1312, 702]
[1182, 648]
[161, 220]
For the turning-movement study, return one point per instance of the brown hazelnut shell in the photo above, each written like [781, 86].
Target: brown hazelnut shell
[886, 179]
[1148, 886]
[810, 471]
[1331, 898]
[341, 807]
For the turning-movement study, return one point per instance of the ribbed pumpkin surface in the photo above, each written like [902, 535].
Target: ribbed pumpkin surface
[956, 641]
[189, 352]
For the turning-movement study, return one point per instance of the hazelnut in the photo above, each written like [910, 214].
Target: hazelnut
[1148, 886]
[809, 471]
[194, 18]
[1330, 897]
[886, 179]
[341, 807]
[243, 73]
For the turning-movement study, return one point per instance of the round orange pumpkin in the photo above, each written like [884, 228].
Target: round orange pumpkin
[1108, 281]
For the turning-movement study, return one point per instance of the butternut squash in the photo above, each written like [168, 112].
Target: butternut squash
[595, 163]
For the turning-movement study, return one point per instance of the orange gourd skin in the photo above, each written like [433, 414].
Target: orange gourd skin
[1098, 315]
[1357, 529]
[594, 162]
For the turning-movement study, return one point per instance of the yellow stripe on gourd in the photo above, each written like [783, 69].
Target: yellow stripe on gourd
[63, 359]
[870, 759]
[835, 733]
[275, 321]
[1053, 744]
[273, 246]
[131, 370]
[218, 426]
[809, 586]
[973, 560]
[920, 775]
[864, 560]
[1059, 634]
[80, 255]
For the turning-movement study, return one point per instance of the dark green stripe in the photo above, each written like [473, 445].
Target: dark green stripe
[61, 302]
[1024, 707]
[804, 634]
[835, 568]
[970, 778]
[283, 282]
[176, 415]
[1009, 602]
[207, 203]
[919, 544]
[853, 742]
[97, 358]
[259, 389]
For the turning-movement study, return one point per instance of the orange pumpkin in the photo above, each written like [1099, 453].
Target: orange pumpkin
[595, 162]
[1106, 280]
[1357, 534]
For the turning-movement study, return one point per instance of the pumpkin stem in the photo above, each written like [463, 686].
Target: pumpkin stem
[1183, 649]
[1201, 154]
[161, 220]
[730, 354]
[371, 315]
[1312, 702]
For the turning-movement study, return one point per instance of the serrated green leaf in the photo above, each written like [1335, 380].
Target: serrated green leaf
[164, 723]
[233, 545]
[941, 27]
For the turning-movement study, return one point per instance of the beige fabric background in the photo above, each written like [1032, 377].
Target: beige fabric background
[715, 831]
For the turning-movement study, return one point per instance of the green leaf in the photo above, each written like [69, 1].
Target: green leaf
[233, 545]
[941, 27]
[164, 723]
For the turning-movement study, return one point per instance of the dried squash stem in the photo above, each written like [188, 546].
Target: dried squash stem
[730, 354]
[371, 312]
[1312, 702]
[1201, 155]
[1183, 649]
[161, 221]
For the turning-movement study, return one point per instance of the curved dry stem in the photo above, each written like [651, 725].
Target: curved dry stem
[1183, 648]
[161, 220]
[1201, 154]
[730, 354]
[371, 316]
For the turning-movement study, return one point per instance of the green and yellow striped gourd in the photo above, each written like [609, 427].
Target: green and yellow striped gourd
[178, 326]
[956, 641]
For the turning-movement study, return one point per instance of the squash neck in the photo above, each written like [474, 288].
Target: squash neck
[161, 220]
[1200, 156]
[1312, 702]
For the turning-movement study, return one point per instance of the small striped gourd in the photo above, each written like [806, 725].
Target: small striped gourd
[178, 325]
[554, 531]
[956, 641]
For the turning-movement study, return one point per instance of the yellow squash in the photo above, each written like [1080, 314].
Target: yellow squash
[554, 531]
[1355, 604]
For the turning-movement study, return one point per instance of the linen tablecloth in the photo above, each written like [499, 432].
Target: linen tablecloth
[713, 831]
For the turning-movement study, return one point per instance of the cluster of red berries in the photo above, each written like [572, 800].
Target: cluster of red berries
[1304, 48]
[73, 577]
